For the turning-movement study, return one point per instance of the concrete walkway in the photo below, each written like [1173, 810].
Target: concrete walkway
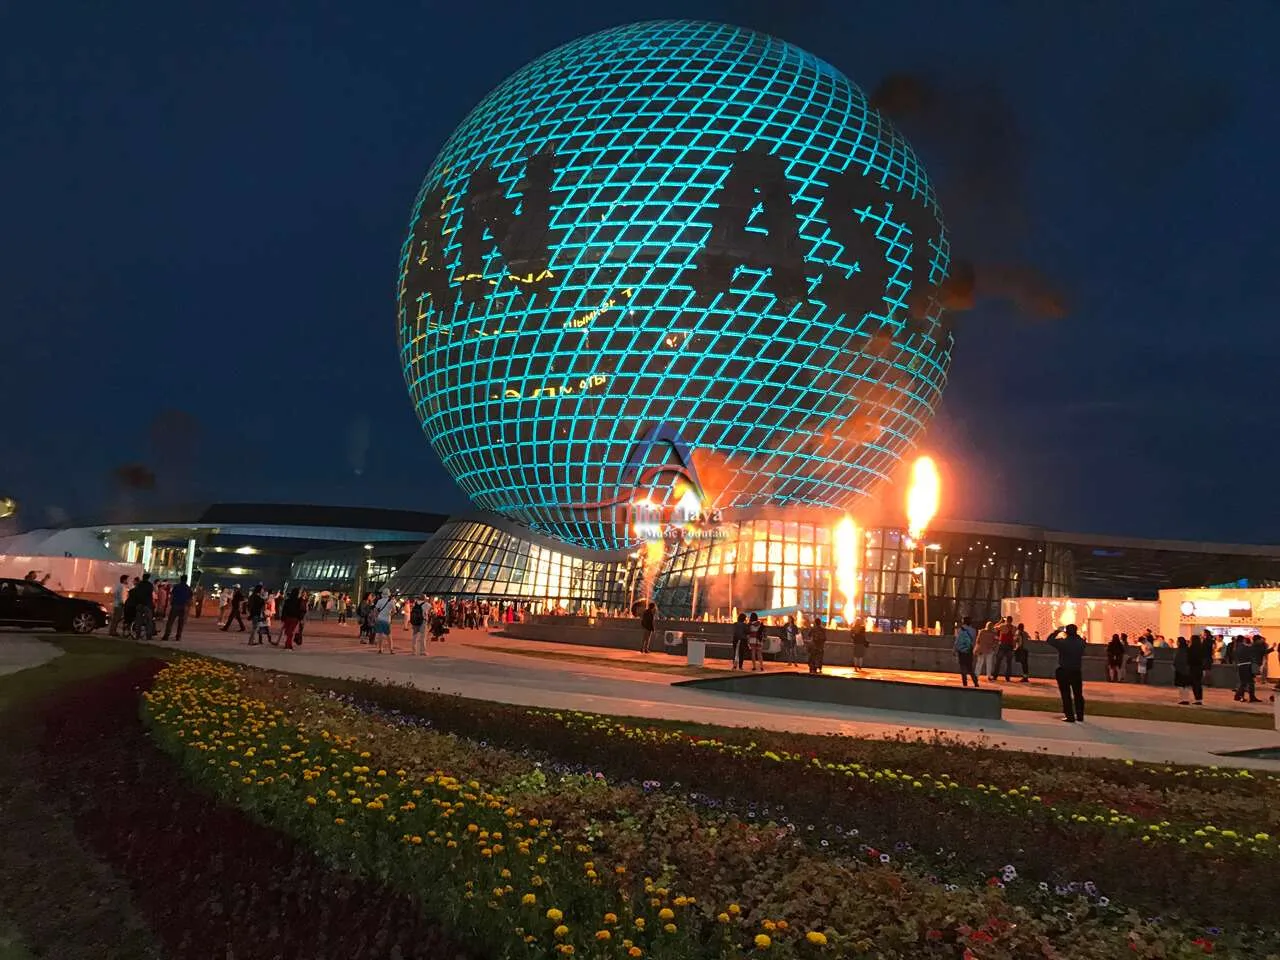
[473, 664]
[21, 651]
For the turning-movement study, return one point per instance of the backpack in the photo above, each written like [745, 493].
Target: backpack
[964, 640]
[415, 615]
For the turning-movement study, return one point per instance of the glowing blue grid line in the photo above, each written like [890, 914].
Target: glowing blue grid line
[644, 122]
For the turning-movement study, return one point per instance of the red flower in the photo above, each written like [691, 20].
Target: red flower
[969, 954]
[1204, 944]
[981, 936]
[873, 853]
[993, 882]
[933, 935]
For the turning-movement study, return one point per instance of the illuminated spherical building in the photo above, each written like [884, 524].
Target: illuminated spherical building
[675, 235]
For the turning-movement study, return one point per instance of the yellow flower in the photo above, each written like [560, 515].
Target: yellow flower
[311, 801]
[603, 935]
[669, 928]
[415, 840]
[639, 923]
[762, 942]
[610, 918]
[528, 900]
[561, 931]
[554, 915]
[816, 938]
[566, 949]
[339, 821]
[769, 925]
[723, 918]
[666, 914]
[734, 909]
[635, 952]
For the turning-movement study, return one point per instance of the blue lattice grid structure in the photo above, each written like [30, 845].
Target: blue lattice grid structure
[793, 402]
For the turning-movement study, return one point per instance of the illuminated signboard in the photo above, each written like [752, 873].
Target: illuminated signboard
[1210, 609]
[710, 227]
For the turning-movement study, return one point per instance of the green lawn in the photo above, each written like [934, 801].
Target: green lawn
[82, 658]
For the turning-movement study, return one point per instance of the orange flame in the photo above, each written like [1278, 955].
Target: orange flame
[844, 540]
[922, 496]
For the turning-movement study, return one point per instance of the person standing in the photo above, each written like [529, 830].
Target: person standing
[1146, 656]
[1022, 654]
[965, 645]
[438, 628]
[790, 635]
[197, 599]
[858, 637]
[383, 610]
[259, 625]
[739, 642]
[418, 626]
[1006, 636]
[817, 645]
[986, 650]
[144, 605]
[1115, 658]
[179, 598]
[233, 612]
[1249, 657]
[1182, 672]
[1196, 666]
[1070, 673]
[291, 613]
[755, 641]
[648, 623]
[118, 597]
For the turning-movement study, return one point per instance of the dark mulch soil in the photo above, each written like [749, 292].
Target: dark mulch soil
[209, 881]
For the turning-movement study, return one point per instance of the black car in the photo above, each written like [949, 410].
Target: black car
[25, 603]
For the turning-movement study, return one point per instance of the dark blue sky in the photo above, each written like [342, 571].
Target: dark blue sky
[205, 203]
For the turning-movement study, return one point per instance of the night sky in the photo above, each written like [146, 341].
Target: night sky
[204, 208]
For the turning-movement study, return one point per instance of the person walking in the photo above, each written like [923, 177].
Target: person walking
[755, 641]
[739, 652]
[382, 613]
[817, 645]
[292, 611]
[986, 651]
[858, 638]
[179, 600]
[1070, 673]
[418, 625]
[119, 594]
[648, 623]
[965, 645]
[1115, 658]
[235, 604]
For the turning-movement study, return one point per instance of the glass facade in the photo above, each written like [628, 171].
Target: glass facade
[495, 560]
[760, 565]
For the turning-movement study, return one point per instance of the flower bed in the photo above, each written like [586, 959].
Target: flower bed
[519, 858]
[207, 880]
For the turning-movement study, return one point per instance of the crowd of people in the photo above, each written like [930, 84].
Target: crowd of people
[138, 604]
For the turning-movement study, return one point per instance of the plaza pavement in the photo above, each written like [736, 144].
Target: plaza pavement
[471, 663]
[21, 651]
